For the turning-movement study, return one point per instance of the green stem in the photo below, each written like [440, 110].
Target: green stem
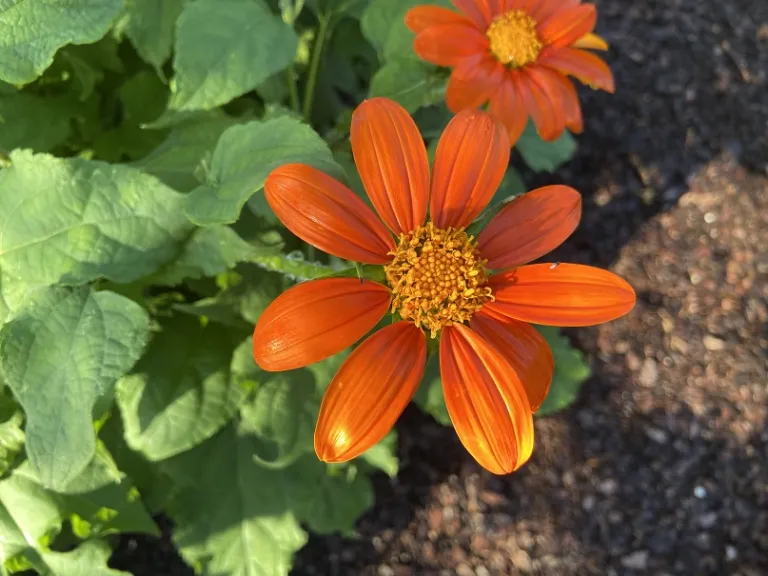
[314, 66]
[293, 92]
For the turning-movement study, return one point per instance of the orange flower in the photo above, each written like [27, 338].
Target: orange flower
[496, 368]
[516, 55]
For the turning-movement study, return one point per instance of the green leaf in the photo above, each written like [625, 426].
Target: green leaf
[281, 414]
[74, 221]
[28, 121]
[176, 161]
[384, 455]
[31, 515]
[60, 353]
[243, 158]
[11, 434]
[544, 156]
[149, 24]
[32, 30]
[12, 293]
[570, 372]
[182, 391]
[209, 251]
[225, 48]
[231, 515]
[89, 559]
[327, 502]
[383, 24]
[410, 82]
[429, 397]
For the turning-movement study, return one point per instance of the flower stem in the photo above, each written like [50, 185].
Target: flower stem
[293, 92]
[314, 66]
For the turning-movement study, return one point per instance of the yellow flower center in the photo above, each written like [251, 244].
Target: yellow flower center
[513, 39]
[437, 277]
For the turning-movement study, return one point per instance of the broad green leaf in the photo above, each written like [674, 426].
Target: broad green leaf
[74, 221]
[149, 24]
[327, 499]
[209, 251]
[281, 414]
[177, 160]
[232, 516]
[544, 156]
[570, 372]
[28, 121]
[32, 30]
[63, 350]
[429, 397]
[12, 293]
[412, 83]
[88, 559]
[85, 65]
[243, 158]
[181, 391]
[225, 48]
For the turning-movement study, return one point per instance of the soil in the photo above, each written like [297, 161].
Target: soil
[661, 466]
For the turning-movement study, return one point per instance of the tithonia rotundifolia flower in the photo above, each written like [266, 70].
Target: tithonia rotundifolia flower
[517, 56]
[474, 296]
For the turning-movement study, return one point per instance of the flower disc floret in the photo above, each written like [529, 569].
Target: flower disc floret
[513, 39]
[437, 277]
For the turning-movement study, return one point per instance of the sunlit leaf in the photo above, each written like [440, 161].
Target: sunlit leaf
[149, 24]
[243, 158]
[63, 350]
[32, 30]
[544, 156]
[225, 48]
[181, 391]
[74, 221]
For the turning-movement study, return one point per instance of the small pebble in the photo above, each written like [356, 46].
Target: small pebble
[700, 492]
[638, 560]
[713, 344]
[731, 553]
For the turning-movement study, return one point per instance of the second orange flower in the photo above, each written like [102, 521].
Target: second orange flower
[517, 56]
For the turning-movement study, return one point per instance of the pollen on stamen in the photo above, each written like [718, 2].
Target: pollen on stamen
[513, 39]
[437, 277]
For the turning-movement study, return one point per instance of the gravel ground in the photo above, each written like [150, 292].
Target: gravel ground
[661, 467]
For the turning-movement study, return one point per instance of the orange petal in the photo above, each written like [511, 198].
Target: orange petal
[472, 82]
[486, 401]
[392, 161]
[327, 214]
[370, 391]
[574, 120]
[591, 42]
[524, 348]
[449, 44]
[543, 10]
[478, 11]
[585, 66]
[568, 25]
[530, 226]
[315, 320]
[542, 100]
[420, 18]
[561, 295]
[471, 158]
[507, 105]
